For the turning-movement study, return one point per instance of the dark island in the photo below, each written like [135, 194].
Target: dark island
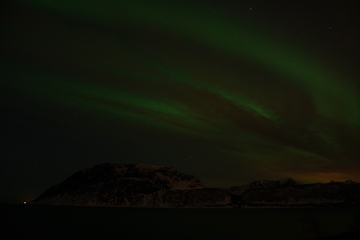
[146, 186]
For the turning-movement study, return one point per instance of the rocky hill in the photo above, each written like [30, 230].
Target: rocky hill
[268, 184]
[133, 185]
[139, 185]
[300, 195]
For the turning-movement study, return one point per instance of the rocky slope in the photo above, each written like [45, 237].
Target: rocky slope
[139, 185]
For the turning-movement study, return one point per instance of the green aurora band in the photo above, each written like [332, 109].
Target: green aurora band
[139, 85]
[219, 33]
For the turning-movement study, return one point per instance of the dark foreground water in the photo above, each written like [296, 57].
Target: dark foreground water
[57, 222]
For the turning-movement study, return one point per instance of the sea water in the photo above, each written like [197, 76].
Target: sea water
[61, 222]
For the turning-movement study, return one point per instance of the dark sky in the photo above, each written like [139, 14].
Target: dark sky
[229, 91]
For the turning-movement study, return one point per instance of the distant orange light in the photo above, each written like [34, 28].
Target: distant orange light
[24, 202]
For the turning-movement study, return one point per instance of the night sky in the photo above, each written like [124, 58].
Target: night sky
[229, 91]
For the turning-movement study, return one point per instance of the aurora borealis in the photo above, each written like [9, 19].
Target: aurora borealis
[229, 92]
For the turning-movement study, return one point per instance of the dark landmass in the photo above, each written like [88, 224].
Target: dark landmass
[146, 186]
